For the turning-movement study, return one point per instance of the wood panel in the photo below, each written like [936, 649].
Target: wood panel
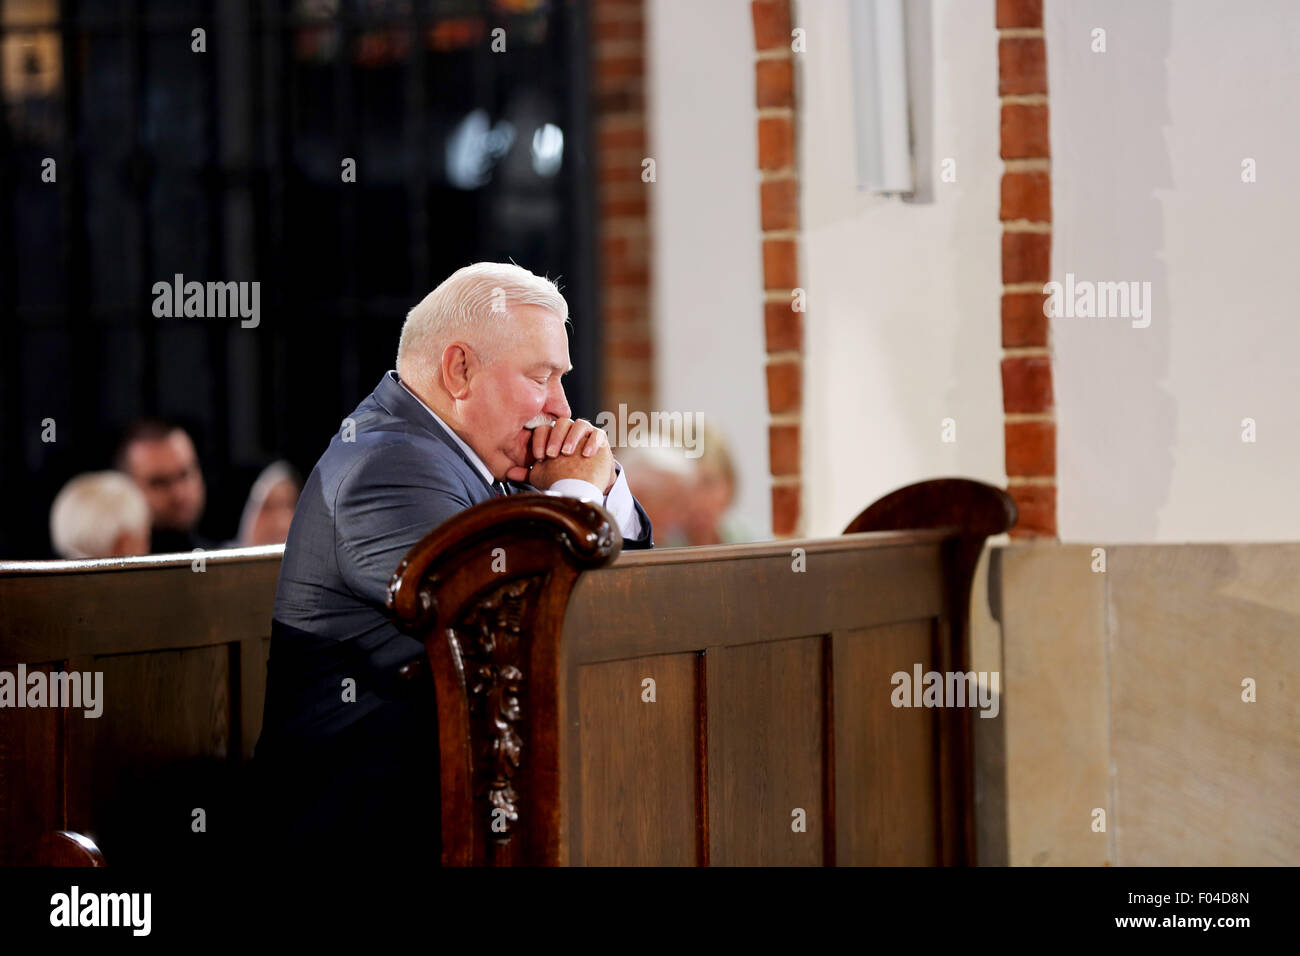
[146, 604]
[766, 753]
[30, 803]
[687, 599]
[640, 778]
[160, 750]
[250, 691]
[183, 657]
[886, 772]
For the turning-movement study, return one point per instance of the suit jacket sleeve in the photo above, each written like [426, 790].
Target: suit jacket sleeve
[389, 501]
[646, 540]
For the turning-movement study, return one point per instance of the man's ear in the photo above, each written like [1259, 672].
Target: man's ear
[459, 366]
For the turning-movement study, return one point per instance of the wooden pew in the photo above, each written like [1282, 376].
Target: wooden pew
[183, 657]
[771, 737]
[758, 673]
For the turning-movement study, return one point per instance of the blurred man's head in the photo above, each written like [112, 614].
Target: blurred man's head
[485, 350]
[100, 515]
[160, 458]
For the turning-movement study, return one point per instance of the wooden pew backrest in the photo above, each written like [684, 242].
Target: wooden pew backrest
[722, 705]
[183, 655]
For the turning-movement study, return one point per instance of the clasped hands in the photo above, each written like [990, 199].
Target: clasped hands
[568, 448]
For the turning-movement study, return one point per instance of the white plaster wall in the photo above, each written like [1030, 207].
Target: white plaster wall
[707, 274]
[1148, 140]
[904, 322]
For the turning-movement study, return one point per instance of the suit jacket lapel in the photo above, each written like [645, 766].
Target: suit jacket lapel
[400, 403]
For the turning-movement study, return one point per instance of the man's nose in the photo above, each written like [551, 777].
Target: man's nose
[556, 404]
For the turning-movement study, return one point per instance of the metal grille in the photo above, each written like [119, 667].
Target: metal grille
[226, 165]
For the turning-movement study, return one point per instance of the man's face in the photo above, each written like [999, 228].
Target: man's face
[519, 390]
[167, 471]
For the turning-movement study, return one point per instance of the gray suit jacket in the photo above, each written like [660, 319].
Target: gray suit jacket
[366, 503]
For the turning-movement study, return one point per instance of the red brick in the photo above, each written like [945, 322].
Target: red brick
[1027, 384]
[774, 83]
[780, 202]
[1036, 505]
[780, 263]
[1027, 196]
[623, 250]
[1026, 256]
[783, 449]
[626, 206]
[1023, 323]
[1014, 14]
[1025, 131]
[625, 168]
[629, 382]
[771, 24]
[783, 327]
[628, 350]
[784, 386]
[602, 10]
[623, 274]
[785, 510]
[625, 98]
[627, 28]
[630, 315]
[634, 373]
[775, 143]
[621, 136]
[617, 69]
[1022, 66]
[1031, 449]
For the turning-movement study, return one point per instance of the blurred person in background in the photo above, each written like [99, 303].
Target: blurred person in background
[100, 515]
[709, 518]
[269, 510]
[665, 484]
[160, 458]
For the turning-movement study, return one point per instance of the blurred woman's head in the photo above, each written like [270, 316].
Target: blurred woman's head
[270, 507]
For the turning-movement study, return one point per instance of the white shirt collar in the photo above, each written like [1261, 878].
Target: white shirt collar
[469, 452]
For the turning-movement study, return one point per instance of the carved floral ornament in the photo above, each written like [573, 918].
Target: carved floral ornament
[489, 638]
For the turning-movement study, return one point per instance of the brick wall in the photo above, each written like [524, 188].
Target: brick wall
[779, 198]
[619, 94]
[619, 121]
[1026, 214]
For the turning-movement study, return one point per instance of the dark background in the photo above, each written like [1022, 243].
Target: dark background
[224, 166]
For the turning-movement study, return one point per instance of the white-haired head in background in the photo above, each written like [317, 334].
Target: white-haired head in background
[473, 304]
[664, 480]
[100, 515]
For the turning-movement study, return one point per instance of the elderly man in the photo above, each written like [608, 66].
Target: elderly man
[100, 515]
[474, 409]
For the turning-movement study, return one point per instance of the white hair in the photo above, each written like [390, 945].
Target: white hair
[93, 510]
[473, 301]
[640, 459]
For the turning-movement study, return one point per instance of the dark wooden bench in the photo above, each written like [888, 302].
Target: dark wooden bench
[183, 654]
[771, 737]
